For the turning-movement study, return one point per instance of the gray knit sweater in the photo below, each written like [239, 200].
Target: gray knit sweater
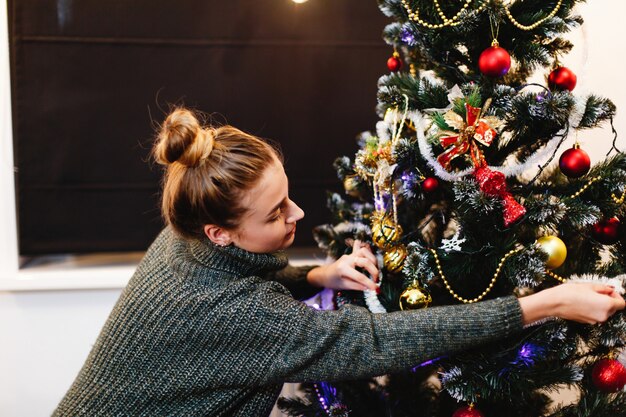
[207, 331]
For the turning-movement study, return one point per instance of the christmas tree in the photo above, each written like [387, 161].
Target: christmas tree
[459, 190]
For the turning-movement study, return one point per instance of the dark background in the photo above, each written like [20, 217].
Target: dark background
[91, 79]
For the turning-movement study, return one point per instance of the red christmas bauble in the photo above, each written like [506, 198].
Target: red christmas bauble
[609, 375]
[562, 78]
[467, 412]
[430, 185]
[574, 162]
[494, 61]
[394, 63]
[606, 231]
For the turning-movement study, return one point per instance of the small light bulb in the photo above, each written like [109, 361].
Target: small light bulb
[299, 1]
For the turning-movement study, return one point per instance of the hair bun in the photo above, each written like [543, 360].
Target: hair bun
[182, 139]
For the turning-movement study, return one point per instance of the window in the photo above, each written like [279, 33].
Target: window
[88, 79]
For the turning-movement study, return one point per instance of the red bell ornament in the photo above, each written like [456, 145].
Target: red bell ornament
[394, 63]
[493, 183]
[574, 162]
[562, 78]
[494, 61]
[468, 411]
[606, 231]
[430, 185]
[609, 375]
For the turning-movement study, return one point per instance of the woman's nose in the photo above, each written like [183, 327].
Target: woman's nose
[295, 213]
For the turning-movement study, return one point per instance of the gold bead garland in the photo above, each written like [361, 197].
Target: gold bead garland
[619, 200]
[455, 17]
[537, 23]
[582, 190]
[453, 21]
[555, 276]
[487, 290]
[616, 199]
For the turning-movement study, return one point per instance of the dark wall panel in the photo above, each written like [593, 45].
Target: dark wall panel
[91, 79]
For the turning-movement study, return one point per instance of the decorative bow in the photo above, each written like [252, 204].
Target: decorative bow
[473, 129]
[493, 184]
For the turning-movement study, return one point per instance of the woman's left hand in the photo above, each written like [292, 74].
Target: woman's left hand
[343, 274]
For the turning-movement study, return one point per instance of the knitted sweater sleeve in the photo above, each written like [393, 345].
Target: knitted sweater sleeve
[283, 340]
[294, 278]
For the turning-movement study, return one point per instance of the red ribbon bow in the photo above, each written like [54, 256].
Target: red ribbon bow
[474, 129]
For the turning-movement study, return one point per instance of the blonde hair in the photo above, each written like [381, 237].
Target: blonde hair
[208, 171]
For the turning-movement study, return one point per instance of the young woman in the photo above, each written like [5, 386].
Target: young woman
[209, 325]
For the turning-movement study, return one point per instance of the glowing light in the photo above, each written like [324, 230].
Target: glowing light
[408, 37]
[430, 362]
[299, 1]
[527, 354]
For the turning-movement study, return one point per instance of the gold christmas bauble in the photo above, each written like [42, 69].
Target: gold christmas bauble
[385, 232]
[415, 297]
[394, 258]
[556, 250]
[351, 184]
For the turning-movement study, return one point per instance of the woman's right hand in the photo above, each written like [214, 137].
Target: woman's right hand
[343, 273]
[582, 302]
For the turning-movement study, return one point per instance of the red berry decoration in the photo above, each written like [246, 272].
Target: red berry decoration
[430, 185]
[562, 78]
[609, 375]
[468, 411]
[574, 162]
[494, 61]
[394, 63]
[606, 231]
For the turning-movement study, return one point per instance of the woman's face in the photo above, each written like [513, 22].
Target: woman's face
[270, 222]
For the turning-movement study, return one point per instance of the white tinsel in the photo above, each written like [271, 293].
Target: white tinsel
[371, 298]
[382, 131]
[615, 282]
[352, 227]
[372, 302]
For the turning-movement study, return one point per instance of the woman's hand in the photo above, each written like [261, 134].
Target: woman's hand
[343, 275]
[582, 302]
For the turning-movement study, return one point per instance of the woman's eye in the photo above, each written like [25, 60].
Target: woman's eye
[277, 216]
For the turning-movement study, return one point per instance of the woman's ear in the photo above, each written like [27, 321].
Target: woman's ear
[218, 235]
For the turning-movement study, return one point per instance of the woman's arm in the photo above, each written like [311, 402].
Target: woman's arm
[296, 280]
[582, 302]
[273, 338]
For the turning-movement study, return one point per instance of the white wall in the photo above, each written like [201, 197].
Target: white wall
[44, 338]
[46, 335]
